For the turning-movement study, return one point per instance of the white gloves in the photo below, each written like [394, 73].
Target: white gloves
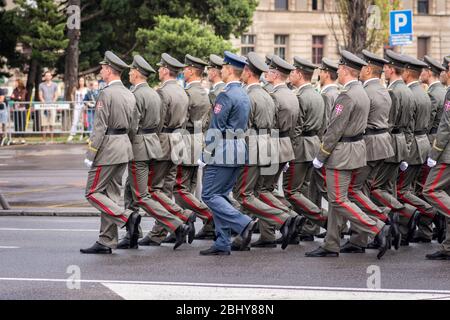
[403, 166]
[88, 163]
[286, 167]
[317, 164]
[431, 163]
[200, 163]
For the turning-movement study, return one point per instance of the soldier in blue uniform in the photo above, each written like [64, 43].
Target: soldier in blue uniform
[225, 154]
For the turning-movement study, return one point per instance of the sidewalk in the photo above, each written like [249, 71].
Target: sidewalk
[60, 212]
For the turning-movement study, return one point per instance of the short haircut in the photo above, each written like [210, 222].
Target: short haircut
[237, 72]
[48, 71]
[172, 73]
[254, 73]
[114, 71]
[197, 72]
[353, 72]
[377, 71]
[333, 75]
[414, 73]
[307, 75]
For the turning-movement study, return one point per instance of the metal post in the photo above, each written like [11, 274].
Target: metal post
[3, 203]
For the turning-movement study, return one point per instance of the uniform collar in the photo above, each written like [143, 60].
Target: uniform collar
[371, 79]
[114, 81]
[412, 83]
[167, 81]
[349, 83]
[190, 84]
[234, 83]
[253, 85]
[329, 86]
[279, 85]
[429, 87]
[392, 83]
[302, 86]
[216, 84]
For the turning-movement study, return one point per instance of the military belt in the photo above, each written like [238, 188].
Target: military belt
[397, 130]
[260, 131]
[371, 132]
[352, 139]
[433, 130]
[146, 130]
[420, 132]
[284, 134]
[115, 132]
[168, 130]
[190, 130]
[311, 133]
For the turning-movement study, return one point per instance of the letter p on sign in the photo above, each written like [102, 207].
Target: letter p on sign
[400, 21]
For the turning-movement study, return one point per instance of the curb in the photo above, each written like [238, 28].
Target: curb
[47, 212]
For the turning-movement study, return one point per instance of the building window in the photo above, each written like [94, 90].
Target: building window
[247, 43]
[318, 45]
[318, 5]
[422, 46]
[281, 4]
[281, 43]
[423, 6]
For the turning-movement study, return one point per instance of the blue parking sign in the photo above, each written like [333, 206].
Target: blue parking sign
[401, 22]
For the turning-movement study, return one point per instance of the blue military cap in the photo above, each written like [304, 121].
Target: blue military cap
[234, 60]
[142, 66]
[114, 62]
[352, 61]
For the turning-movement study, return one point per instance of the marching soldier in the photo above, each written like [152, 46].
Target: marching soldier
[225, 154]
[436, 92]
[266, 84]
[261, 121]
[147, 148]
[445, 80]
[384, 192]
[214, 76]
[305, 141]
[420, 144]
[286, 117]
[437, 184]
[379, 147]
[109, 152]
[344, 150]
[198, 112]
[329, 92]
[162, 173]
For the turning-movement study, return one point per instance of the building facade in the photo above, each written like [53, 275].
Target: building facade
[302, 27]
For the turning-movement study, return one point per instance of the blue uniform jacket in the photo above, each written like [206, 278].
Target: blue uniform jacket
[225, 139]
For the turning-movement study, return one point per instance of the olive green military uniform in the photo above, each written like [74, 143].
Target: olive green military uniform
[162, 173]
[379, 147]
[215, 90]
[437, 186]
[417, 157]
[306, 145]
[384, 186]
[110, 150]
[198, 112]
[246, 190]
[343, 150]
[147, 148]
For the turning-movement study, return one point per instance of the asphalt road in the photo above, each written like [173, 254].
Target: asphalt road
[43, 175]
[36, 252]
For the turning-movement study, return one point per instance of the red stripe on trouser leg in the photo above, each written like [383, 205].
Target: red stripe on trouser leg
[249, 206]
[342, 204]
[168, 207]
[91, 197]
[179, 188]
[421, 210]
[143, 203]
[387, 204]
[269, 202]
[106, 209]
[433, 186]
[361, 200]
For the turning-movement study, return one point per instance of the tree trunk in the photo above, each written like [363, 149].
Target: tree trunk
[31, 79]
[72, 56]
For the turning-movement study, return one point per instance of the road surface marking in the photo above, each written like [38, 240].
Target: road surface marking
[8, 247]
[58, 230]
[185, 290]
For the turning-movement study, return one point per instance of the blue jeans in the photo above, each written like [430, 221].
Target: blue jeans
[218, 182]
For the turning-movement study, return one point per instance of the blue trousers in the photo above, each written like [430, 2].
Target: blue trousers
[218, 182]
